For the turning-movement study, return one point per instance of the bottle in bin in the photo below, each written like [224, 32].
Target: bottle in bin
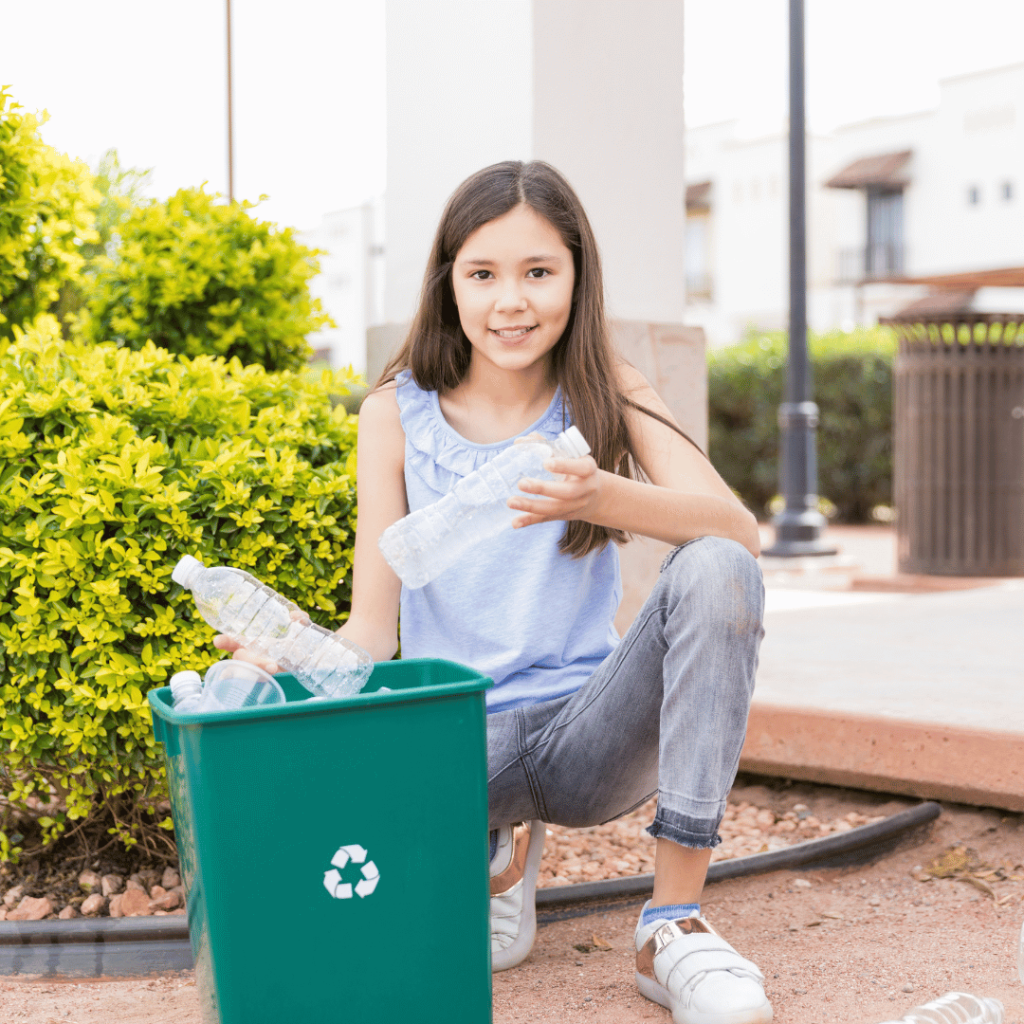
[257, 617]
[426, 542]
[228, 686]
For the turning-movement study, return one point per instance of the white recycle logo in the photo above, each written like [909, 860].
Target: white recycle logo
[343, 890]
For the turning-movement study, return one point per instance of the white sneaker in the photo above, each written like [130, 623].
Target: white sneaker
[513, 882]
[691, 970]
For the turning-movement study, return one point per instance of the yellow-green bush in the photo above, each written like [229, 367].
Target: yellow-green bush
[47, 212]
[114, 463]
[202, 277]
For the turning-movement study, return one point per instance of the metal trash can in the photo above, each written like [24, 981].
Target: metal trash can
[334, 852]
[958, 415]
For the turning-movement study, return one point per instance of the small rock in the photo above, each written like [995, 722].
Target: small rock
[150, 877]
[115, 906]
[157, 891]
[134, 884]
[3, 912]
[168, 901]
[89, 881]
[794, 927]
[180, 912]
[31, 908]
[13, 896]
[874, 902]
[802, 883]
[908, 987]
[170, 878]
[135, 903]
[67, 913]
[111, 885]
[94, 904]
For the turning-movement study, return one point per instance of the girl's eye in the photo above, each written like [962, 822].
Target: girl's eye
[538, 272]
[478, 275]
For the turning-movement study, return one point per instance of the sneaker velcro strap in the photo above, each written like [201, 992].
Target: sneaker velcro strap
[506, 880]
[690, 956]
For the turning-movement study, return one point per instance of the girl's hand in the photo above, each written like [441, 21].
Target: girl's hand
[225, 643]
[571, 495]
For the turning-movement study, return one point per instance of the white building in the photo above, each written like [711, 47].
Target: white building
[923, 195]
[350, 284]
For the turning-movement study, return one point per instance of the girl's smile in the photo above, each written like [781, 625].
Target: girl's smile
[512, 333]
[513, 284]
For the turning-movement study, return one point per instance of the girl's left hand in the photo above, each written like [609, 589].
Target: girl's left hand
[570, 497]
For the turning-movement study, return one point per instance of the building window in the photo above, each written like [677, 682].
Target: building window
[974, 195]
[698, 257]
[1007, 191]
[884, 257]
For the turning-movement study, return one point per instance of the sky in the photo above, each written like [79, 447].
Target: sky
[147, 77]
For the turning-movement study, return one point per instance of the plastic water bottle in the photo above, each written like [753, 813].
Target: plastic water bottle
[426, 542]
[259, 618]
[228, 686]
[956, 1008]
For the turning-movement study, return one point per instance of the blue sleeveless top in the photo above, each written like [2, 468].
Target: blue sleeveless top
[536, 621]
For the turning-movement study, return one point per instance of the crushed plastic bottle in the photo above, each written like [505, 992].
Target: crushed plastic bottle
[254, 615]
[228, 686]
[426, 542]
[955, 1008]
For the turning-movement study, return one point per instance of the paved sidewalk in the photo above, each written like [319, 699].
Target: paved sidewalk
[885, 682]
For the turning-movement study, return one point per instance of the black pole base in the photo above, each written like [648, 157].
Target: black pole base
[798, 534]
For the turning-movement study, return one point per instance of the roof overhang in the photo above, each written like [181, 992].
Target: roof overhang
[970, 280]
[698, 197]
[887, 170]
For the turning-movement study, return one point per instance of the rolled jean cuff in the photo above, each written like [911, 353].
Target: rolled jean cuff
[696, 833]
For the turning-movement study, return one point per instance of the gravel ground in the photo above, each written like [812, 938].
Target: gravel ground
[859, 944]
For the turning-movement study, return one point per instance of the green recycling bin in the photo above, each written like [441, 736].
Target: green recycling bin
[334, 852]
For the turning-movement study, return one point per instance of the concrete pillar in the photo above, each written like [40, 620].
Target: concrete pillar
[594, 87]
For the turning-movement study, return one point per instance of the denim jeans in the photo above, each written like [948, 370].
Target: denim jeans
[665, 713]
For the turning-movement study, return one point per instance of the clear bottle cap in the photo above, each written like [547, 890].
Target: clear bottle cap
[183, 571]
[185, 684]
[576, 442]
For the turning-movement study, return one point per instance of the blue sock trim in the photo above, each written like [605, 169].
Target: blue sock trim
[669, 913]
[494, 843]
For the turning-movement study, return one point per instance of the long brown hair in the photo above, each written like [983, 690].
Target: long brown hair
[437, 351]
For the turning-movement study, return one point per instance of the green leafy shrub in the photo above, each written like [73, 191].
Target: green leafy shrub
[114, 463]
[853, 390]
[202, 277]
[47, 210]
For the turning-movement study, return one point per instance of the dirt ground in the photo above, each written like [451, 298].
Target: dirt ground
[858, 944]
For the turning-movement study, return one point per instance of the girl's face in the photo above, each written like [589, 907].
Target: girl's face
[513, 280]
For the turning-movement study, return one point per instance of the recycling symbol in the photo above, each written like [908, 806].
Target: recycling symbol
[343, 890]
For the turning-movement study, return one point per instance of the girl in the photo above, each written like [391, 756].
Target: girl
[510, 339]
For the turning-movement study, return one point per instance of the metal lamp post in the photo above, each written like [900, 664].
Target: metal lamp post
[799, 526]
[231, 130]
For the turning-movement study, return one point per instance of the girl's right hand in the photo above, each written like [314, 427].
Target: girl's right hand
[226, 643]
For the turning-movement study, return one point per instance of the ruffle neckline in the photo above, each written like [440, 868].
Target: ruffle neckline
[437, 453]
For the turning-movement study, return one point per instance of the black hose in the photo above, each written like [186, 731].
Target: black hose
[858, 845]
[121, 947]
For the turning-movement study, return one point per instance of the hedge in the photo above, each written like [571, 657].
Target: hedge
[198, 276]
[113, 464]
[852, 374]
[47, 215]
